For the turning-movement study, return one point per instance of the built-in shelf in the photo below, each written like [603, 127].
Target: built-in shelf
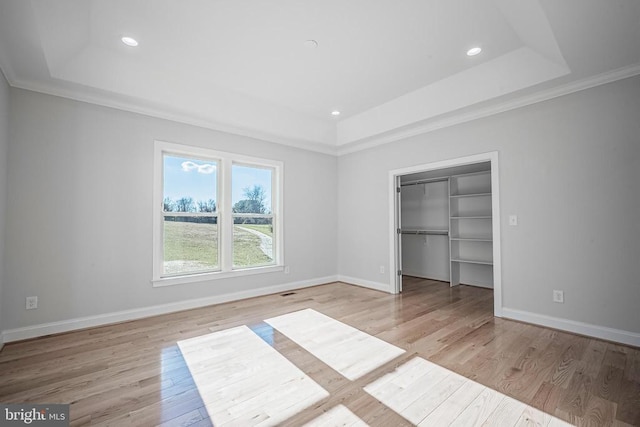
[473, 261]
[472, 239]
[470, 222]
[459, 196]
[456, 211]
[472, 217]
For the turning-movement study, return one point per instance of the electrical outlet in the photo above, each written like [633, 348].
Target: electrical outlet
[382, 269]
[32, 303]
[286, 269]
[558, 296]
[513, 220]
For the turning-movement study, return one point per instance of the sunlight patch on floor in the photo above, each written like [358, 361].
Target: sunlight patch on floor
[429, 395]
[347, 350]
[244, 381]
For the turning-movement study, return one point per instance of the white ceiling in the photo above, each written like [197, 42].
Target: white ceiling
[393, 68]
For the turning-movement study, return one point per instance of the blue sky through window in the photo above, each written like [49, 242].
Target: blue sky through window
[197, 178]
[248, 176]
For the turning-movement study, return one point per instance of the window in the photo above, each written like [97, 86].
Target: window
[216, 214]
[252, 216]
[190, 238]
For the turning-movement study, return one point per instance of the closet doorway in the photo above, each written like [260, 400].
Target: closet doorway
[446, 223]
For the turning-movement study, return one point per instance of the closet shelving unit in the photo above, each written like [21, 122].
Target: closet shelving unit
[425, 238]
[470, 229]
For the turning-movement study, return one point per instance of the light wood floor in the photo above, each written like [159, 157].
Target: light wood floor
[134, 373]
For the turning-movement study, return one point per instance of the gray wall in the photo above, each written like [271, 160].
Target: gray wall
[78, 210]
[4, 146]
[569, 168]
[79, 232]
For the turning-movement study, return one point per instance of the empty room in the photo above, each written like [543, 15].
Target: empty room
[322, 213]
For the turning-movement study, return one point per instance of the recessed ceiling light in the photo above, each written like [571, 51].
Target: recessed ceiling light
[310, 44]
[335, 113]
[129, 41]
[474, 51]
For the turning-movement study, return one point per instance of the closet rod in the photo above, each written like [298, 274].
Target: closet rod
[426, 232]
[424, 181]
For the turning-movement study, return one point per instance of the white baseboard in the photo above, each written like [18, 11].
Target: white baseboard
[138, 313]
[384, 287]
[602, 332]
[10, 335]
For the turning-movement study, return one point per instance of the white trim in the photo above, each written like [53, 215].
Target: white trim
[365, 283]
[395, 285]
[492, 157]
[203, 277]
[35, 331]
[165, 113]
[590, 330]
[458, 118]
[322, 147]
[496, 229]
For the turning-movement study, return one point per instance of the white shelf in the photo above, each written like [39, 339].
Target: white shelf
[458, 196]
[472, 239]
[472, 217]
[473, 261]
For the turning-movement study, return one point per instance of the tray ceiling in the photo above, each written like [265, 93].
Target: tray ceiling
[391, 68]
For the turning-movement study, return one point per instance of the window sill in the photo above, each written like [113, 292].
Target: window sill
[204, 277]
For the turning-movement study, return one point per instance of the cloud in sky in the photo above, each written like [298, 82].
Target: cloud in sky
[205, 168]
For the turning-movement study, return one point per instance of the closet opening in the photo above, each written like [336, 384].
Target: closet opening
[446, 223]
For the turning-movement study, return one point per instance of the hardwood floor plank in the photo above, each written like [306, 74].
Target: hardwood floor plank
[547, 397]
[578, 393]
[479, 410]
[452, 410]
[507, 413]
[607, 384]
[629, 403]
[632, 370]
[337, 416]
[599, 412]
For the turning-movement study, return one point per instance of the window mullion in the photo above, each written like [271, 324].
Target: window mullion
[226, 217]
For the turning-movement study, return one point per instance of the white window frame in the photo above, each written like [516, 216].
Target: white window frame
[225, 161]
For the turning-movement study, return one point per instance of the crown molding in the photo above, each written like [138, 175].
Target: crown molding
[545, 95]
[387, 138]
[136, 106]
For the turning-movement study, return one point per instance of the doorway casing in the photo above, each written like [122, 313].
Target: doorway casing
[394, 220]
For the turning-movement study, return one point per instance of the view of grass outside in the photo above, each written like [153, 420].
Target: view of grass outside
[262, 228]
[248, 249]
[191, 247]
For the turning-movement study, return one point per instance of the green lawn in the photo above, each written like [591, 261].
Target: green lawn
[191, 247]
[263, 228]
